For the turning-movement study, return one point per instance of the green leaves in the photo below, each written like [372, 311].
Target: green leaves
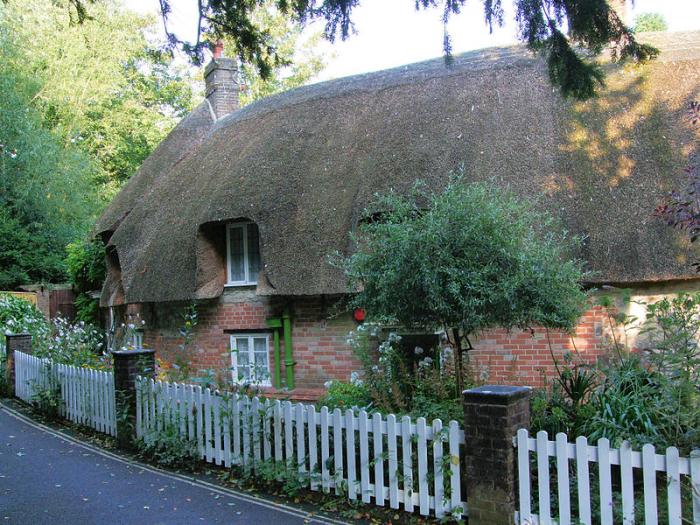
[471, 257]
[45, 193]
[85, 101]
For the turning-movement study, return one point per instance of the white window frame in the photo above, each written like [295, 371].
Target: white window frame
[249, 280]
[251, 358]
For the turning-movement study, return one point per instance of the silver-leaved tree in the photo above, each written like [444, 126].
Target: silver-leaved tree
[465, 259]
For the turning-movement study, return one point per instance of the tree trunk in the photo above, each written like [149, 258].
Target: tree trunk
[458, 361]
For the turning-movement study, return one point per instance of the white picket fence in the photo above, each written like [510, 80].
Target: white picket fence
[634, 473]
[87, 395]
[374, 458]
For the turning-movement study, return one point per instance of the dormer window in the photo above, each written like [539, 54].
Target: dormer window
[243, 253]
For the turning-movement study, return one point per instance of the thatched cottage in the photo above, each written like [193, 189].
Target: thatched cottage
[239, 209]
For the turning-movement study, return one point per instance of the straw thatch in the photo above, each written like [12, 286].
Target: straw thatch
[303, 165]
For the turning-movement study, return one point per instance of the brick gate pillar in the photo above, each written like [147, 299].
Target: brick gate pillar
[15, 343]
[492, 416]
[127, 366]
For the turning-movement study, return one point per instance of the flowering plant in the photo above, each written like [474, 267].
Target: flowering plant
[76, 344]
[20, 316]
[128, 336]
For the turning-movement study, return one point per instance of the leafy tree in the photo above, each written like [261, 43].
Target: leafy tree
[306, 61]
[463, 260]
[650, 22]
[85, 260]
[591, 25]
[99, 85]
[46, 195]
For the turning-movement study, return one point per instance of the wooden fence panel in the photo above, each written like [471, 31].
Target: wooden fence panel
[322, 447]
[86, 395]
[678, 474]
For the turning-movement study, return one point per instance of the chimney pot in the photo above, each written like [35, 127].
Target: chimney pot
[219, 49]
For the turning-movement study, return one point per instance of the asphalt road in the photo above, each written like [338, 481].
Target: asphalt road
[48, 477]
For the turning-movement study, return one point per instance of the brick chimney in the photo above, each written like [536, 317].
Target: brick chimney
[221, 81]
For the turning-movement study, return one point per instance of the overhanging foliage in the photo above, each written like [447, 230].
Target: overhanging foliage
[470, 257]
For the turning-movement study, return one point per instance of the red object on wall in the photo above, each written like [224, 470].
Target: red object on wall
[359, 315]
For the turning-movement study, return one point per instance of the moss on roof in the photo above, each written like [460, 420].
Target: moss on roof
[303, 165]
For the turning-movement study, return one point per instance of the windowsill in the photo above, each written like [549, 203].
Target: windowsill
[240, 285]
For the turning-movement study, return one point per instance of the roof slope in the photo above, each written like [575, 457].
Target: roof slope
[303, 165]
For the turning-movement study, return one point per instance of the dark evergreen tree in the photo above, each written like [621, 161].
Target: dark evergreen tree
[569, 33]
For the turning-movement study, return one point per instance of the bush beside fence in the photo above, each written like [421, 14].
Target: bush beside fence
[371, 458]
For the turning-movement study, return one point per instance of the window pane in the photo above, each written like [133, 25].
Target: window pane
[253, 252]
[244, 374]
[260, 345]
[260, 352]
[236, 254]
[242, 344]
[243, 359]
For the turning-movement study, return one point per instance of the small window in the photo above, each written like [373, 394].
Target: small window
[243, 247]
[250, 359]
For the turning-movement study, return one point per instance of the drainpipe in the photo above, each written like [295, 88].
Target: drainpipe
[288, 360]
[276, 324]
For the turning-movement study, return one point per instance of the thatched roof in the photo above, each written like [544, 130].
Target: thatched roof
[303, 165]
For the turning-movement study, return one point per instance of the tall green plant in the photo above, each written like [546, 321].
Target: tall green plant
[85, 260]
[46, 196]
[100, 86]
[647, 394]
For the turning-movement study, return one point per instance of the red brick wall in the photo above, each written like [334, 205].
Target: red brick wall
[318, 337]
[321, 352]
[524, 358]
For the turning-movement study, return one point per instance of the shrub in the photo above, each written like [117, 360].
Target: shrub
[346, 395]
[20, 316]
[85, 260]
[642, 397]
[630, 405]
[165, 447]
[400, 380]
[77, 344]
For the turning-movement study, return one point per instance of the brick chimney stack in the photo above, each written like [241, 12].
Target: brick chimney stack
[221, 81]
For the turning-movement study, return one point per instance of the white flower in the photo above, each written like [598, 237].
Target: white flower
[328, 384]
[425, 363]
[418, 350]
[355, 379]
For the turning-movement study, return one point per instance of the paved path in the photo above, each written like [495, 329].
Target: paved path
[48, 477]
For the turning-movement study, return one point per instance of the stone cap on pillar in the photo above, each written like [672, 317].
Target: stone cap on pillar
[21, 334]
[132, 353]
[496, 394]
[135, 360]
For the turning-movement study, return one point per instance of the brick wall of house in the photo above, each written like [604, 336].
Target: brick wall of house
[318, 336]
[321, 352]
[523, 357]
